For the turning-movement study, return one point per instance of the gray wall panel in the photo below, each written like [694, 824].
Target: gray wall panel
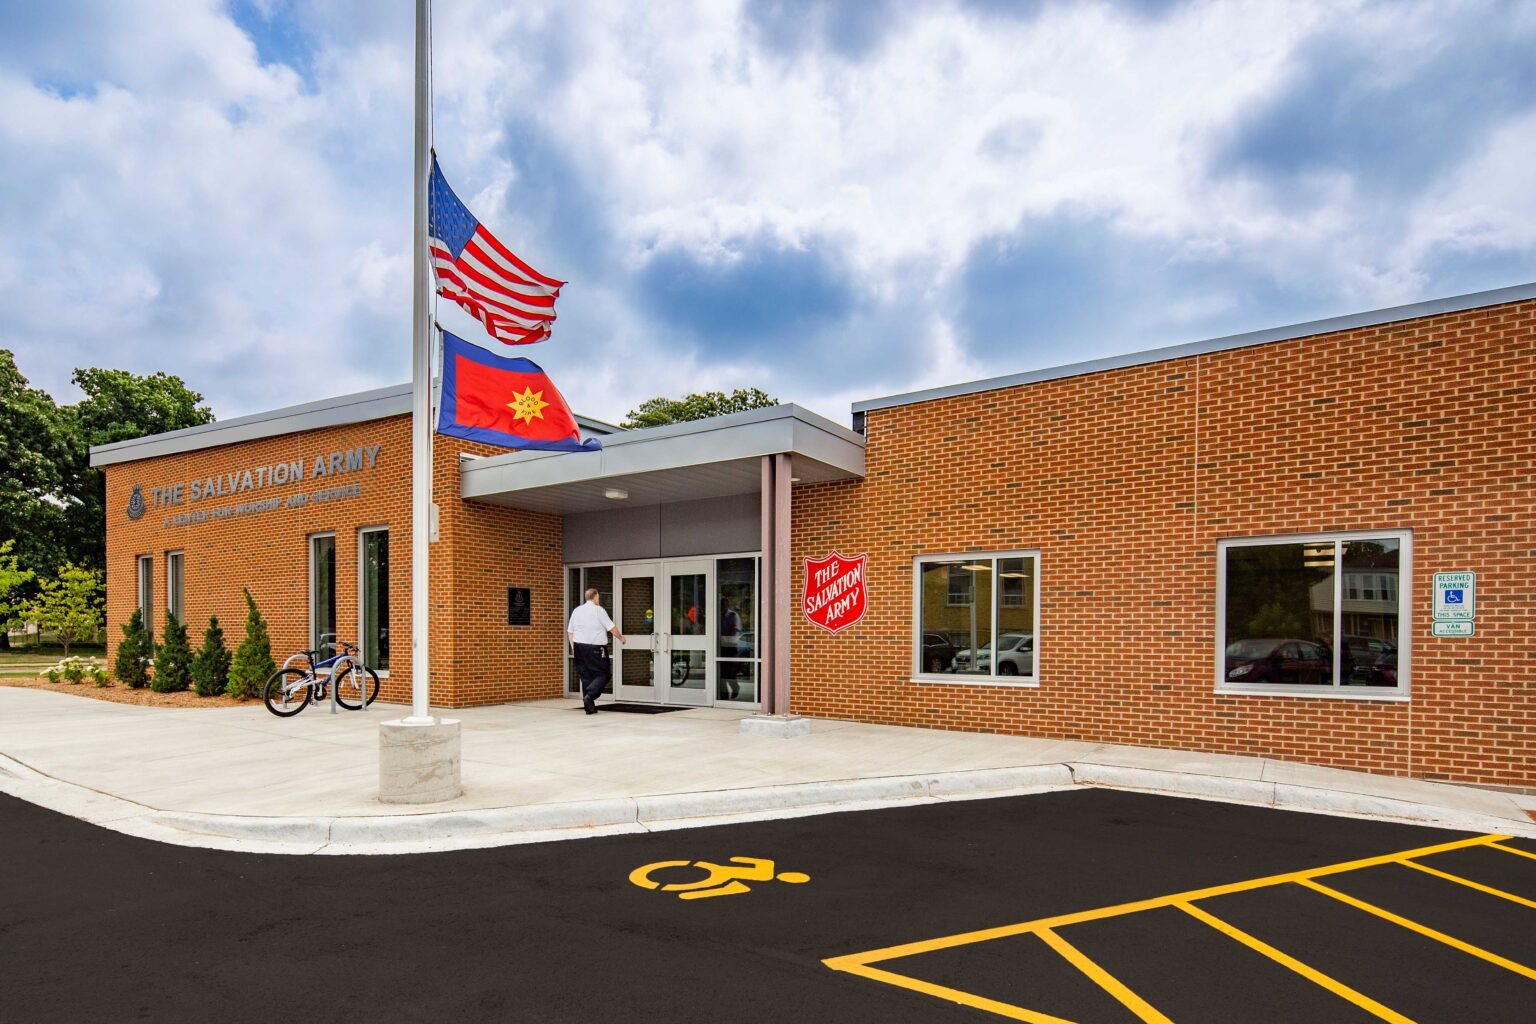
[615, 534]
[711, 526]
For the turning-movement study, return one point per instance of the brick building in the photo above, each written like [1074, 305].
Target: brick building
[1225, 546]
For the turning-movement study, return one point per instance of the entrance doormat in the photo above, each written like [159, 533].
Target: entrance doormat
[638, 709]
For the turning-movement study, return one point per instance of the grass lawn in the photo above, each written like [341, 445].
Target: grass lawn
[49, 653]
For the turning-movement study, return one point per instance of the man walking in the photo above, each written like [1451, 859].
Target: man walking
[588, 633]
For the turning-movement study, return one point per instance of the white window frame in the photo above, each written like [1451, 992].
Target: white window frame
[309, 543]
[1405, 623]
[146, 601]
[174, 587]
[956, 679]
[362, 595]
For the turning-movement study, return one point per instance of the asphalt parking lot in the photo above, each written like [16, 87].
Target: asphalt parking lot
[1082, 906]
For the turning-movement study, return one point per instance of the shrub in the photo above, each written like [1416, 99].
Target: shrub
[72, 669]
[132, 664]
[253, 662]
[173, 661]
[210, 669]
[52, 675]
[100, 676]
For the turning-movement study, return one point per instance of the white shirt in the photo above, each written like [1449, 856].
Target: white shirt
[589, 624]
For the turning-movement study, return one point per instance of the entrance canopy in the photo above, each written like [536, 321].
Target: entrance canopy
[678, 462]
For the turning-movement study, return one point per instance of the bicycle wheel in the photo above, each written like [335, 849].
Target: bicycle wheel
[349, 690]
[287, 692]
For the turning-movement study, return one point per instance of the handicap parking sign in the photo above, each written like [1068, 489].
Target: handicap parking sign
[1455, 596]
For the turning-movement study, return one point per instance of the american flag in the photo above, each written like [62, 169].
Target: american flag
[515, 302]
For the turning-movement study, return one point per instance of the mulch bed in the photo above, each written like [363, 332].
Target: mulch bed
[117, 693]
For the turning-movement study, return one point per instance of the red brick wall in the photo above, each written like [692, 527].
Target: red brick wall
[477, 657]
[1126, 479]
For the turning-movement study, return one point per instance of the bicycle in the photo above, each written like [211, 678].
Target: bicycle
[290, 689]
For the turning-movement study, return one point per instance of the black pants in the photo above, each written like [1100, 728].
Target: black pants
[592, 669]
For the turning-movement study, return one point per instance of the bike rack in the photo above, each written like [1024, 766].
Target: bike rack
[330, 683]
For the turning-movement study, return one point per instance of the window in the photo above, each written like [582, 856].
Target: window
[1313, 615]
[977, 617]
[322, 593]
[373, 597]
[147, 593]
[737, 662]
[173, 586]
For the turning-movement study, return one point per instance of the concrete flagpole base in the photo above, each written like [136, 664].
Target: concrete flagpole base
[419, 762]
[784, 727]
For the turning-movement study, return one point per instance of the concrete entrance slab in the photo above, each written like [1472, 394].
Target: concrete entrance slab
[239, 778]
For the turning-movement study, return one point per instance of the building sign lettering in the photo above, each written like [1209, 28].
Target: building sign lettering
[324, 468]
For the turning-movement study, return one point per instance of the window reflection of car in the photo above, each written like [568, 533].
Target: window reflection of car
[1015, 656]
[1358, 657]
[1271, 660]
[1383, 672]
[938, 652]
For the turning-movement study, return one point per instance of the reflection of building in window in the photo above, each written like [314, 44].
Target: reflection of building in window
[961, 587]
[964, 602]
[1317, 612]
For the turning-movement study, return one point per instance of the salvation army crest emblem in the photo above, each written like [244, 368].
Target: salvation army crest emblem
[136, 503]
[836, 591]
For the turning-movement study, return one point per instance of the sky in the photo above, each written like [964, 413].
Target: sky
[830, 201]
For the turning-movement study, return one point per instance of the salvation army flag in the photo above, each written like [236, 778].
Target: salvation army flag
[504, 401]
[514, 302]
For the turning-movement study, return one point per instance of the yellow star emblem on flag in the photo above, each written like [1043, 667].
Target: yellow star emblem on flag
[529, 405]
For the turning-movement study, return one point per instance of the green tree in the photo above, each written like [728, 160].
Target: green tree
[12, 578]
[118, 406]
[210, 668]
[173, 658]
[653, 412]
[253, 658]
[133, 653]
[69, 605]
[36, 450]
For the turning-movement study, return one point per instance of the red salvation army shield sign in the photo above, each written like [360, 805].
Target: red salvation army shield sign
[835, 592]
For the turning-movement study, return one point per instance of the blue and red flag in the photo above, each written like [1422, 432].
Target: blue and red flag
[504, 401]
[514, 302]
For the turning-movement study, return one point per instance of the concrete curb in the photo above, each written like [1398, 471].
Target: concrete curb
[467, 829]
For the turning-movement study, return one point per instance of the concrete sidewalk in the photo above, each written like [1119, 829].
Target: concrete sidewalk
[241, 779]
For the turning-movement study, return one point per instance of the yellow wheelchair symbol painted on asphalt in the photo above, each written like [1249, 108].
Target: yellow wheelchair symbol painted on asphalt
[719, 879]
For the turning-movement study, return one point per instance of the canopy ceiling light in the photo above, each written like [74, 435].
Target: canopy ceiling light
[616, 493]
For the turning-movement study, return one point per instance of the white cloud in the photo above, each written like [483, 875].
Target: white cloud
[176, 199]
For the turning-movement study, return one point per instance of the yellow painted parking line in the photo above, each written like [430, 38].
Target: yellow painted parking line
[1511, 849]
[1046, 928]
[842, 963]
[1479, 886]
[955, 995]
[1425, 930]
[1312, 974]
[1108, 982]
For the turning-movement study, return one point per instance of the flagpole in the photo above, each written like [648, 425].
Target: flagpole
[419, 755]
[421, 385]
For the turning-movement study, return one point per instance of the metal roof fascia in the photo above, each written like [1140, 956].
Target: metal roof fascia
[1371, 318]
[328, 412]
[673, 446]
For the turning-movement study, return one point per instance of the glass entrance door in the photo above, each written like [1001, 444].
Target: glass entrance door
[634, 599]
[664, 610]
[689, 628]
